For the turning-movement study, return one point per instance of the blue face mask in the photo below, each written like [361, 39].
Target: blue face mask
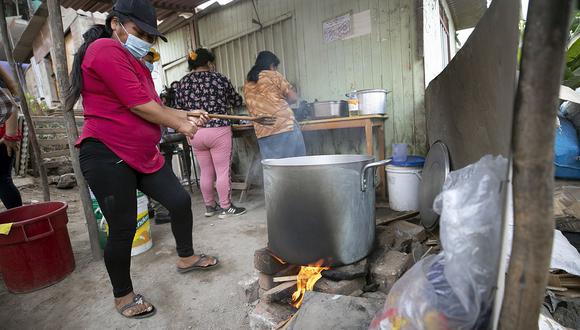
[149, 66]
[137, 47]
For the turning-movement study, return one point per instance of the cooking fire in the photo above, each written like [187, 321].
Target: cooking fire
[307, 277]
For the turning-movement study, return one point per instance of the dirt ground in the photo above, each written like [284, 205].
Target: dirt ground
[198, 300]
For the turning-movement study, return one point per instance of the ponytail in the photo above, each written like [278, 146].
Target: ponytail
[264, 61]
[76, 77]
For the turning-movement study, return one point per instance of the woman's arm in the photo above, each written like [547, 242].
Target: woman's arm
[11, 131]
[176, 119]
[292, 97]
[287, 89]
[234, 98]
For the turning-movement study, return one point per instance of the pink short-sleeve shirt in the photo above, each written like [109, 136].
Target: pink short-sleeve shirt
[114, 82]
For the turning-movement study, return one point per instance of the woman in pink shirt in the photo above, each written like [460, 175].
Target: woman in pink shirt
[118, 145]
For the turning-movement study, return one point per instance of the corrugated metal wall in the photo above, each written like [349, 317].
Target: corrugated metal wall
[235, 57]
[174, 53]
[179, 42]
[387, 58]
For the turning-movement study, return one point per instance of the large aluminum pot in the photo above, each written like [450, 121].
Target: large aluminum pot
[321, 208]
[372, 101]
[329, 109]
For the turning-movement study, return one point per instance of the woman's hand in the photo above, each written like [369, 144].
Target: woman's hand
[201, 117]
[190, 124]
[11, 146]
[187, 128]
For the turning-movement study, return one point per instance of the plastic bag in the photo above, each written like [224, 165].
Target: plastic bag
[454, 289]
[571, 111]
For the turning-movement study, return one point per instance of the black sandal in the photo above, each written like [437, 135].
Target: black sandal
[137, 300]
[196, 265]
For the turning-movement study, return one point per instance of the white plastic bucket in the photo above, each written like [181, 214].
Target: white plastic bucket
[142, 240]
[404, 184]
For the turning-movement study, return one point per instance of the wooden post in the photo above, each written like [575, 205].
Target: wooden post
[533, 152]
[4, 35]
[58, 50]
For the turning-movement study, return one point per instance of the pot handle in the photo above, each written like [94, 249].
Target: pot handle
[363, 177]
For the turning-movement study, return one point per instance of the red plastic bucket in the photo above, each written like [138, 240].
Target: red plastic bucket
[37, 251]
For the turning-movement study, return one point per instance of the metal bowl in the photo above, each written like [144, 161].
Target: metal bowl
[435, 171]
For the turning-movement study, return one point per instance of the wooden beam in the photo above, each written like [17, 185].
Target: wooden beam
[6, 40]
[57, 36]
[533, 154]
[166, 5]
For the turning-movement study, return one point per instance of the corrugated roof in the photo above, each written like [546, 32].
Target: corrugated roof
[466, 13]
[167, 10]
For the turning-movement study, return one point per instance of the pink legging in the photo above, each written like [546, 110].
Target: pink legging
[213, 150]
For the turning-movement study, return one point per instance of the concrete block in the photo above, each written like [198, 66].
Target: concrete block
[327, 311]
[389, 267]
[249, 288]
[349, 272]
[266, 316]
[345, 287]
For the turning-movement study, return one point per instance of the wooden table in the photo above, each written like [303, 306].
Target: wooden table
[368, 123]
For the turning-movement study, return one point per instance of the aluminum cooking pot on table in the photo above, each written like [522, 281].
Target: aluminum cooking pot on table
[371, 101]
[321, 208]
[329, 109]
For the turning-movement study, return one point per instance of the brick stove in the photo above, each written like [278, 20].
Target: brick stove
[398, 245]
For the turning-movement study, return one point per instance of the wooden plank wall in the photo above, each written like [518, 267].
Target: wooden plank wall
[388, 58]
[51, 133]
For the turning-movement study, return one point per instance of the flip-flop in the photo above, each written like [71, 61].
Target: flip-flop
[196, 265]
[137, 300]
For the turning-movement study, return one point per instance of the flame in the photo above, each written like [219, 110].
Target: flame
[307, 277]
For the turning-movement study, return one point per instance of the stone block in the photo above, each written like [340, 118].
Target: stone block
[349, 272]
[22, 183]
[327, 311]
[53, 179]
[357, 293]
[249, 288]
[389, 267]
[266, 316]
[345, 287]
[375, 295]
[66, 181]
[405, 229]
[385, 237]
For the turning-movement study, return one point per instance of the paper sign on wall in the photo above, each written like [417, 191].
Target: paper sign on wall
[337, 28]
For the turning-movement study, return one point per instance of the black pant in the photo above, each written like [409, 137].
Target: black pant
[8, 192]
[114, 185]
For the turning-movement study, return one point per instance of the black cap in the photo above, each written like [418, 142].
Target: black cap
[142, 13]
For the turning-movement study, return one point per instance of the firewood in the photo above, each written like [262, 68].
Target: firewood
[281, 279]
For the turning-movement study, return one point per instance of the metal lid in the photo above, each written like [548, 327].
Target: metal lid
[412, 161]
[372, 91]
[435, 171]
[329, 102]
